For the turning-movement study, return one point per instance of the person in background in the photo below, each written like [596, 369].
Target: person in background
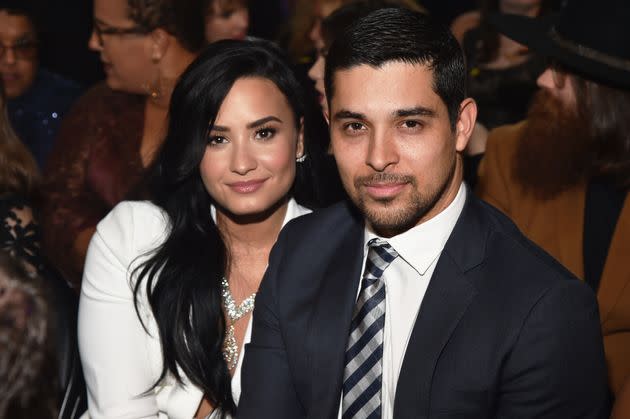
[113, 132]
[19, 178]
[226, 19]
[563, 174]
[28, 387]
[501, 73]
[169, 283]
[37, 98]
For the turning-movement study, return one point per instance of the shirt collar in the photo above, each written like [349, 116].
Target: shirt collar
[421, 245]
[294, 210]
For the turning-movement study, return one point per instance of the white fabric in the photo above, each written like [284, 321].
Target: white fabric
[406, 281]
[120, 360]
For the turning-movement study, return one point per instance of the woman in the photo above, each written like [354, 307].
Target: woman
[169, 284]
[19, 234]
[111, 135]
[226, 19]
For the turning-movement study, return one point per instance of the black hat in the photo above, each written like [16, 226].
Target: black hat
[590, 37]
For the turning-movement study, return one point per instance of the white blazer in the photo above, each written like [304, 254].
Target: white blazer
[120, 360]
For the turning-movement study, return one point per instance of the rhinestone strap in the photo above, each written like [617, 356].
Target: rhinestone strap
[234, 313]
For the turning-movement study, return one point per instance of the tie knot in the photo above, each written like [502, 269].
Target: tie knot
[380, 255]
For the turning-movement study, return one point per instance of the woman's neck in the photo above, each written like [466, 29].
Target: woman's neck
[251, 234]
[171, 67]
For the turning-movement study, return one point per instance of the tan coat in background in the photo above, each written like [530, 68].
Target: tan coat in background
[557, 225]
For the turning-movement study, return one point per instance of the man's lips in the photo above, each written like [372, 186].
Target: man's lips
[384, 190]
[246, 187]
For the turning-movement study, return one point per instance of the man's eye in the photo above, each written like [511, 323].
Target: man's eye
[411, 124]
[354, 126]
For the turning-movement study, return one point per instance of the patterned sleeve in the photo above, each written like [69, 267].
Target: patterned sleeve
[20, 235]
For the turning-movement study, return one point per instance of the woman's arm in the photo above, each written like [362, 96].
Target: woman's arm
[118, 356]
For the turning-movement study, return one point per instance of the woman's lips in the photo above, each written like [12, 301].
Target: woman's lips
[247, 187]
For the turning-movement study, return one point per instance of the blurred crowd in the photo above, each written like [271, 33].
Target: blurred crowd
[550, 148]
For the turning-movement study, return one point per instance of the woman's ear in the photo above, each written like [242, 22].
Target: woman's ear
[160, 40]
[300, 150]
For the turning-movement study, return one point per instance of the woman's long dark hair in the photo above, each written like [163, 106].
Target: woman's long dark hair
[182, 275]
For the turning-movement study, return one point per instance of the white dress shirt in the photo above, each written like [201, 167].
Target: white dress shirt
[406, 281]
[120, 360]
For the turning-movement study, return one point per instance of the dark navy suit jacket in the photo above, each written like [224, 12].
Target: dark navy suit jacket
[503, 331]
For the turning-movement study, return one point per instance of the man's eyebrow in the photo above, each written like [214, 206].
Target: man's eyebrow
[345, 114]
[256, 123]
[417, 111]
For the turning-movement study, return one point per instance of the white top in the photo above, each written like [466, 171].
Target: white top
[406, 281]
[120, 360]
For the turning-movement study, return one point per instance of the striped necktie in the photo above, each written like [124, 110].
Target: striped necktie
[362, 378]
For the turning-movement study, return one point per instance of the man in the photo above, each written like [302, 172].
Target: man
[38, 99]
[563, 174]
[419, 301]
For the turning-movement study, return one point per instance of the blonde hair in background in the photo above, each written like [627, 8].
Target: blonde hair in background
[18, 170]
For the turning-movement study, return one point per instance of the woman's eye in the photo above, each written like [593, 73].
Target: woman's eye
[216, 140]
[265, 133]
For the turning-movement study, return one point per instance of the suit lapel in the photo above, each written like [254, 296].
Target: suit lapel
[330, 324]
[447, 298]
[615, 276]
[569, 227]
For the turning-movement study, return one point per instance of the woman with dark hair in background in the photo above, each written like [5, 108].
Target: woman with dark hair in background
[112, 133]
[226, 19]
[169, 284]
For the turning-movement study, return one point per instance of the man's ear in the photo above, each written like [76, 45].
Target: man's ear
[465, 123]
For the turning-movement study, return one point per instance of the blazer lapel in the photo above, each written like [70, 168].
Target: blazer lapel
[330, 324]
[447, 298]
[616, 276]
[569, 227]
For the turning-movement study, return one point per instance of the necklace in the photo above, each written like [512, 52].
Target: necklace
[234, 312]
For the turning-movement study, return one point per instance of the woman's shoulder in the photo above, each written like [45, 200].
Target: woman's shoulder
[133, 228]
[100, 101]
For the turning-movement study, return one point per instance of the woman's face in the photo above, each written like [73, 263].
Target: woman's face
[316, 73]
[128, 58]
[226, 21]
[249, 162]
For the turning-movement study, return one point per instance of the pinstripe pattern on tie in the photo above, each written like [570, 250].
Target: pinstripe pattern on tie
[362, 379]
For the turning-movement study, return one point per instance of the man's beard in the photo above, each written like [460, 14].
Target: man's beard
[388, 222]
[556, 151]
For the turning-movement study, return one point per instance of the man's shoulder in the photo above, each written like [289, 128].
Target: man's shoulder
[331, 221]
[512, 257]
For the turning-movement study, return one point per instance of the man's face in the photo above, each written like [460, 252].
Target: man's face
[18, 63]
[394, 145]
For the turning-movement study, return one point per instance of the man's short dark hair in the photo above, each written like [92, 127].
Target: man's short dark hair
[398, 34]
